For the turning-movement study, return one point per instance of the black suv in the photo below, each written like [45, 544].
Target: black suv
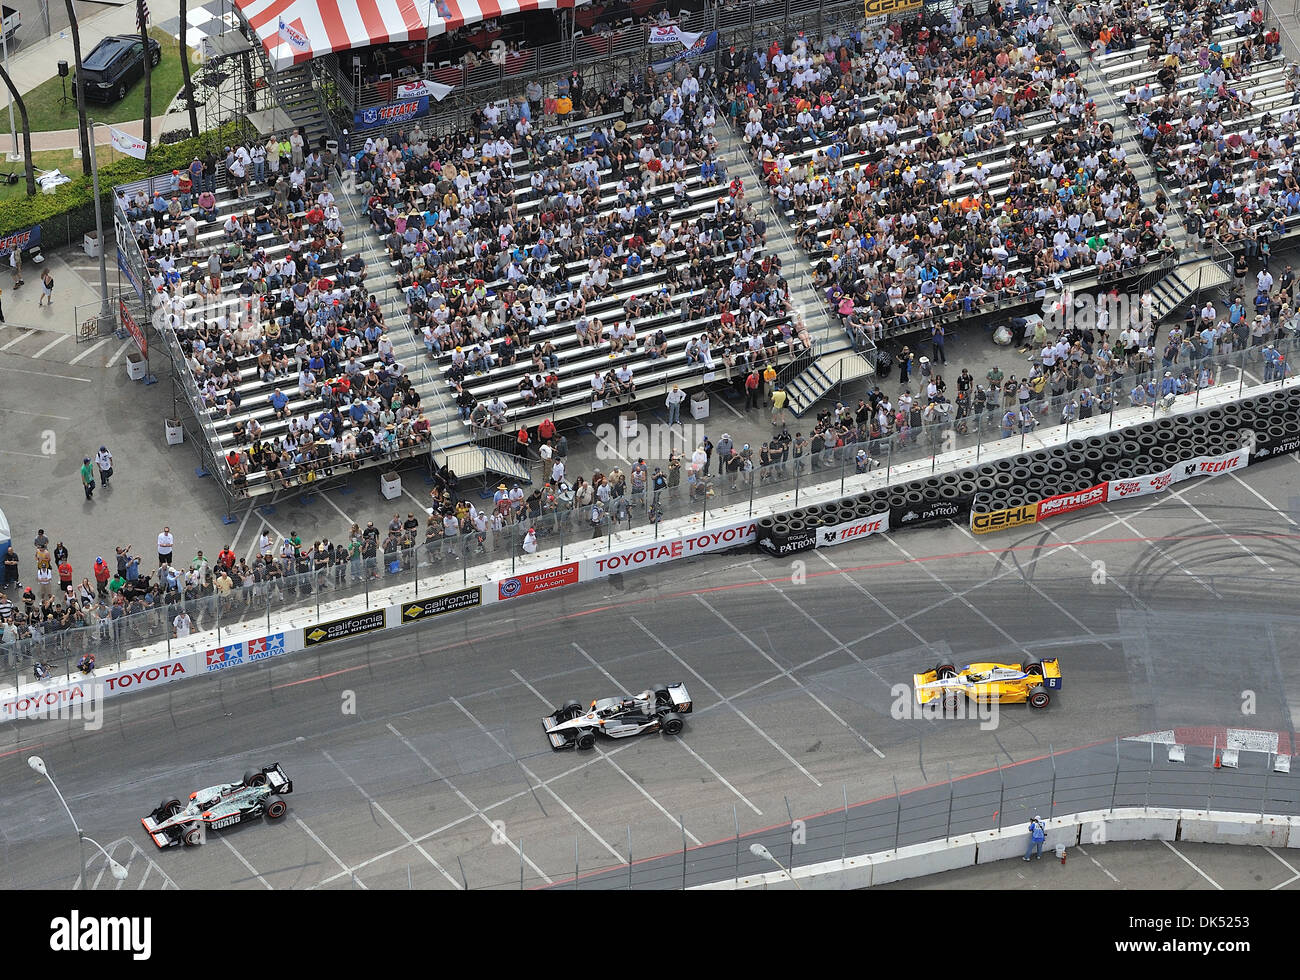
[114, 66]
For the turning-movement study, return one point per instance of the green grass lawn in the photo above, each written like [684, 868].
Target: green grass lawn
[45, 112]
[41, 160]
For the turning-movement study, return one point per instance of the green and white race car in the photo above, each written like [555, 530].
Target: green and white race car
[215, 807]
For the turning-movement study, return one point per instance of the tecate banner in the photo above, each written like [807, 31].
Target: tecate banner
[531, 583]
[863, 527]
[1211, 465]
[670, 549]
[1065, 503]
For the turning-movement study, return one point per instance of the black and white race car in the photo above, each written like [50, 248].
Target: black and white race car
[658, 709]
[215, 807]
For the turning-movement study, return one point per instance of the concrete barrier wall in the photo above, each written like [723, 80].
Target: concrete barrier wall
[986, 847]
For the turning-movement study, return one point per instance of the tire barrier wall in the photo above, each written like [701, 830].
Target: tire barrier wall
[1033, 487]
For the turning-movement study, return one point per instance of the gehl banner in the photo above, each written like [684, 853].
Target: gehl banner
[883, 8]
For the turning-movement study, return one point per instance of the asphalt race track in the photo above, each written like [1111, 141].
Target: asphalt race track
[420, 761]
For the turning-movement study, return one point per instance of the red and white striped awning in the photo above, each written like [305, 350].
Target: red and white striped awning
[338, 25]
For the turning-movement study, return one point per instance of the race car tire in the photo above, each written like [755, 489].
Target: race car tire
[1093, 455]
[1039, 469]
[193, 835]
[1216, 427]
[915, 498]
[1035, 668]
[950, 700]
[1004, 480]
[569, 710]
[1039, 698]
[169, 808]
[1034, 487]
[660, 691]
[586, 739]
[276, 809]
[671, 723]
[879, 506]
[1073, 460]
[984, 484]
[944, 672]
[254, 778]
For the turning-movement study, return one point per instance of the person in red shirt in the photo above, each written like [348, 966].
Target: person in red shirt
[226, 558]
[546, 430]
[101, 576]
[65, 575]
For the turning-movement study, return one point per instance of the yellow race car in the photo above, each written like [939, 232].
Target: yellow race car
[987, 683]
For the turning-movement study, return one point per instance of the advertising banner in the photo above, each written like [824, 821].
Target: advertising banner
[1268, 445]
[391, 114]
[341, 629]
[883, 8]
[21, 240]
[862, 527]
[703, 44]
[939, 510]
[531, 583]
[1000, 520]
[134, 329]
[688, 545]
[125, 266]
[1211, 465]
[245, 651]
[804, 539]
[438, 605]
[64, 700]
[1140, 486]
[1065, 503]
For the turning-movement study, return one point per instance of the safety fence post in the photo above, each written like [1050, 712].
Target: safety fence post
[947, 832]
[1115, 785]
[682, 823]
[629, 857]
[898, 812]
[1002, 790]
[844, 837]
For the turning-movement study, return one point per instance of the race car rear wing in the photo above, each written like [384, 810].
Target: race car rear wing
[1052, 674]
[278, 779]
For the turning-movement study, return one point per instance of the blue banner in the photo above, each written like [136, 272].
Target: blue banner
[392, 114]
[706, 43]
[23, 240]
[136, 284]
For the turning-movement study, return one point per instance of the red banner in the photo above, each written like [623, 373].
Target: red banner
[532, 582]
[133, 328]
[1064, 503]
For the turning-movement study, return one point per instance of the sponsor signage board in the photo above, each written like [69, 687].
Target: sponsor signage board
[531, 583]
[438, 605]
[341, 629]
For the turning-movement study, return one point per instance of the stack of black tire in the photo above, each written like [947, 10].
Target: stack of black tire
[1269, 424]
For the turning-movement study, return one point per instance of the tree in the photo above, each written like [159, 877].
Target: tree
[81, 88]
[189, 82]
[27, 132]
[148, 77]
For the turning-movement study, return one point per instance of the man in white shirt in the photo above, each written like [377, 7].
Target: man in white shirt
[182, 625]
[165, 544]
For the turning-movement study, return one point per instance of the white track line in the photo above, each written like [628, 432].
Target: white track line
[244, 861]
[469, 803]
[1097, 863]
[148, 869]
[1197, 511]
[50, 346]
[799, 609]
[604, 755]
[727, 701]
[341, 512]
[1191, 864]
[324, 847]
[19, 337]
[396, 826]
[531, 775]
[39, 415]
[1264, 500]
[120, 351]
[46, 374]
[88, 351]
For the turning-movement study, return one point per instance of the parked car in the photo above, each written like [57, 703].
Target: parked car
[115, 64]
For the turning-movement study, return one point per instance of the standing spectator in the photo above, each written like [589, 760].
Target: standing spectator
[182, 624]
[904, 365]
[1037, 837]
[88, 478]
[16, 264]
[104, 460]
[778, 405]
[673, 403]
[165, 543]
[11, 567]
[101, 576]
[47, 288]
[753, 385]
[936, 341]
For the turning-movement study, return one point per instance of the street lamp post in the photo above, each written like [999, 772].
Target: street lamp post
[104, 311]
[759, 851]
[119, 872]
